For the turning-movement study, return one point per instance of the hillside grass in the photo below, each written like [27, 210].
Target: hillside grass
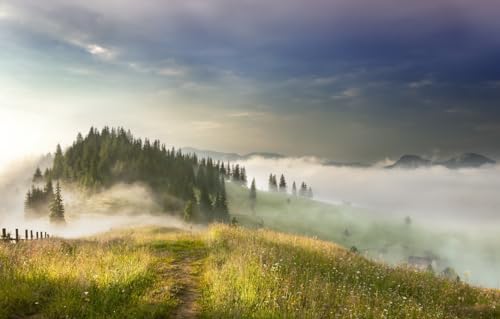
[474, 256]
[122, 274]
[233, 273]
[264, 274]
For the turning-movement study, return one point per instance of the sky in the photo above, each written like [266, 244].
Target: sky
[351, 80]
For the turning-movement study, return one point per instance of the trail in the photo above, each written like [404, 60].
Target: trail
[187, 270]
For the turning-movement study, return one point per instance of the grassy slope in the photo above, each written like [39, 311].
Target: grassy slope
[235, 273]
[381, 238]
[124, 274]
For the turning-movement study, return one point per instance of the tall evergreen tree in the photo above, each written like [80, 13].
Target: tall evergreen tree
[58, 166]
[57, 207]
[310, 193]
[253, 196]
[294, 189]
[282, 185]
[38, 175]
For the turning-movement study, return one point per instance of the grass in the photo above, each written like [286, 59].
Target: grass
[264, 274]
[123, 274]
[474, 256]
[229, 272]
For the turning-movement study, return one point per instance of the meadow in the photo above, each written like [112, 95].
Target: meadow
[221, 272]
[474, 256]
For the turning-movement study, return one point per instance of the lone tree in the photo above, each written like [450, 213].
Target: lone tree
[294, 189]
[57, 207]
[253, 196]
[283, 187]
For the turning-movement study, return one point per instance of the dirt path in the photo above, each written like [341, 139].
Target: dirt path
[187, 270]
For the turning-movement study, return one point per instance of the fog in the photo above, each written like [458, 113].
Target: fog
[120, 206]
[455, 213]
[441, 196]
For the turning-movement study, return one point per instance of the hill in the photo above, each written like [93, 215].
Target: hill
[466, 160]
[108, 157]
[411, 161]
[224, 272]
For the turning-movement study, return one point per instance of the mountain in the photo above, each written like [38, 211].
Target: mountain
[411, 161]
[229, 157]
[346, 164]
[467, 160]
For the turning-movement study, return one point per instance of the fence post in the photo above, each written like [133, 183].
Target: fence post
[37, 235]
[26, 234]
[17, 235]
[31, 234]
[4, 233]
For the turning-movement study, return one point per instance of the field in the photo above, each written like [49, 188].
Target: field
[223, 272]
[474, 256]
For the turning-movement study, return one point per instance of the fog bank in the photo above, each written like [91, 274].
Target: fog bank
[435, 194]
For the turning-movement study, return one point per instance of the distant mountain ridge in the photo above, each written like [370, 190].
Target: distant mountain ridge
[465, 160]
[230, 157]
[407, 161]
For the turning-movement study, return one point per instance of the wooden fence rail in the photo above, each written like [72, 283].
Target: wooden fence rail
[28, 235]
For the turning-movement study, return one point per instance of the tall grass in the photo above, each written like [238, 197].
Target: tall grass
[118, 275]
[263, 274]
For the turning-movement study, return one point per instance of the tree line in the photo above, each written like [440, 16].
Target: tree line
[182, 183]
[274, 186]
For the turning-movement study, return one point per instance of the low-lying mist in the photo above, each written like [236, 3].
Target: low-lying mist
[455, 214]
[451, 197]
[122, 205]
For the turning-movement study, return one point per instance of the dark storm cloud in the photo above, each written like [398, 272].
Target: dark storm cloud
[388, 61]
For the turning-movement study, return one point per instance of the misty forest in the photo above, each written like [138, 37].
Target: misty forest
[286, 159]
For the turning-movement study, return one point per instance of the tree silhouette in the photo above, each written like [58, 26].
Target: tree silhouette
[253, 196]
[57, 207]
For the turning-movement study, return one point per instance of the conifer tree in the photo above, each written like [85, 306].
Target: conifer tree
[243, 176]
[294, 189]
[282, 185]
[57, 207]
[253, 196]
[58, 167]
[310, 193]
[38, 175]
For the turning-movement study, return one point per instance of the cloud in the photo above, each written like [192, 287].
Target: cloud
[170, 71]
[420, 84]
[434, 194]
[100, 51]
[347, 94]
[205, 125]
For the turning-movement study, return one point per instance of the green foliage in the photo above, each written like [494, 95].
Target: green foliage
[102, 159]
[57, 207]
[37, 200]
[37, 177]
[264, 274]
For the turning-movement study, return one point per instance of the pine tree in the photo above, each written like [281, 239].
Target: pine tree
[243, 176]
[310, 193]
[303, 189]
[282, 185]
[38, 175]
[294, 189]
[253, 196]
[58, 167]
[57, 207]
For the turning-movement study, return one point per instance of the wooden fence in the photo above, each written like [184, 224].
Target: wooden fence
[28, 235]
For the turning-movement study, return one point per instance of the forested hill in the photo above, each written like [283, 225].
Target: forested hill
[180, 181]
